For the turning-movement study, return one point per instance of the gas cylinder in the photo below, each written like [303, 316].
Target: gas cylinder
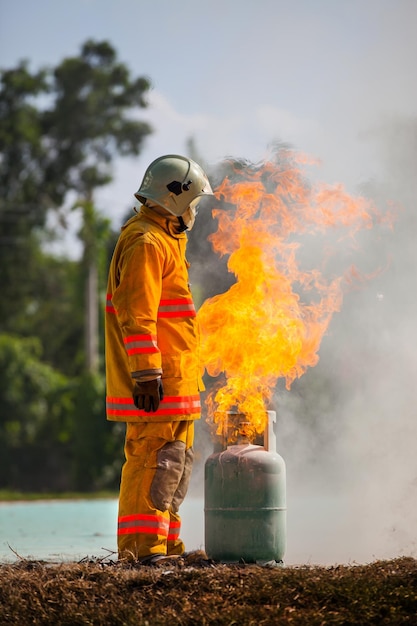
[245, 502]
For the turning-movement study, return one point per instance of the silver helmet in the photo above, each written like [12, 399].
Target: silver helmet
[174, 182]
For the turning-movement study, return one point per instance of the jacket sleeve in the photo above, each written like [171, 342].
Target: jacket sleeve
[136, 300]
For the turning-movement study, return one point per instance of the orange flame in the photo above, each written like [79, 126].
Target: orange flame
[270, 323]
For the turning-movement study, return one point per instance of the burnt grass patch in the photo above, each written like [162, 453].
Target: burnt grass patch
[110, 593]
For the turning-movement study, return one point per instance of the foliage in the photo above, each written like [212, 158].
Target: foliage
[36, 403]
[21, 139]
[52, 423]
[87, 125]
[96, 445]
[60, 130]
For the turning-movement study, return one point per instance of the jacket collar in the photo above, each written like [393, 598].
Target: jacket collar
[168, 223]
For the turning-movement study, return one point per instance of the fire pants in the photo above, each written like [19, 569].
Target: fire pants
[154, 482]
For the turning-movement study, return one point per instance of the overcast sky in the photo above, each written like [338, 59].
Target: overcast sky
[238, 74]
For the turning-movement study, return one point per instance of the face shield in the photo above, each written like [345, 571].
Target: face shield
[191, 212]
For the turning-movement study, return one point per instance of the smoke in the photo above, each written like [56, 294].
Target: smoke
[352, 469]
[347, 428]
[347, 431]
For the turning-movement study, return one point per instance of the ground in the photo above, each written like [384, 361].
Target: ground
[108, 593]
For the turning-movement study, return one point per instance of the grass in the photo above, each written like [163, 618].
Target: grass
[7, 495]
[110, 593]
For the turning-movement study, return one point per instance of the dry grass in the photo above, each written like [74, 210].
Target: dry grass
[96, 593]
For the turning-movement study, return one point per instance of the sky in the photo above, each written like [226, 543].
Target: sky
[328, 77]
[237, 75]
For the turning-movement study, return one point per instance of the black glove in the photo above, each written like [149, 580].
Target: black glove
[147, 395]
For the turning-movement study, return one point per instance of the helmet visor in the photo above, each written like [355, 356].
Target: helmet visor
[193, 206]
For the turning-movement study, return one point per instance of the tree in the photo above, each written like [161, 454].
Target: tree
[86, 128]
[23, 204]
[36, 403]
[60, 130]
[87, 125]
[53, 434]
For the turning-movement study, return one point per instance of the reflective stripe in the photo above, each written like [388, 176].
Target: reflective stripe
[109, 304]
[174, 531]
[141, 344]
[140, 523]
[170, 405]
[179, 307]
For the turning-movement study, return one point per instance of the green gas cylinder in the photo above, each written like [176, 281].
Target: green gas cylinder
[245, 504]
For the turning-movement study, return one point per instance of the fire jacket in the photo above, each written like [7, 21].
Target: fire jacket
[150, 322]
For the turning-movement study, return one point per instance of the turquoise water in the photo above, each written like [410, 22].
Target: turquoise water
[68, 530]
[71, 530]
[320, 530]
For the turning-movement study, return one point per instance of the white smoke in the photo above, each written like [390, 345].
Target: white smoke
[348, 430]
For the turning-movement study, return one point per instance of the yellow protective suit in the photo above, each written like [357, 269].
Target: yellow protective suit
[151, 330]
[154, 482]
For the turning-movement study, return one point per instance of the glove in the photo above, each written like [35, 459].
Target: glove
[147, 395]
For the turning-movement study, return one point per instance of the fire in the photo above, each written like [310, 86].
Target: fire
[270, 323]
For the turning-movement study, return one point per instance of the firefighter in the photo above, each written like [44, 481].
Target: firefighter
[153, 374]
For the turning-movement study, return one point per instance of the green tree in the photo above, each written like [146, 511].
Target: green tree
[36, 404]
[53, 435]
[87, 128]
[23, 204]
[60, 130]
[88, 124]
[96, 444]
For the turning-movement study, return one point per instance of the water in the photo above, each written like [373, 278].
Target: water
[321, 530]
[70, 530]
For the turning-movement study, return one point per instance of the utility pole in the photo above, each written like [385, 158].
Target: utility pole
[91, 315]
[89, 237]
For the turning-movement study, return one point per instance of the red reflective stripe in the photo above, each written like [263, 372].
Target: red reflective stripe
[140, 344]
[140, 529]
[113, 403]
[174, 531]
[175, 301]
[142, 516]
[134, 411]
[172, 537]
[142, 350]
[141, 523]
[173, 524]
[170, 405]
[177, 314]
[109, 304]
[177, 307]
[119, 413]
[183, 410]
[151, 338]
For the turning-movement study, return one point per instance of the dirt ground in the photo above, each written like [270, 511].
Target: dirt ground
[109, 593]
